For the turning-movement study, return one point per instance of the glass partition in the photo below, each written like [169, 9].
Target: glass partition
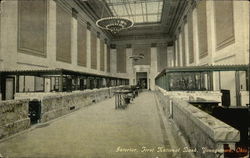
[188, 81]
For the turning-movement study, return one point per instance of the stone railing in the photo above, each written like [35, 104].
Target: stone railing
[195, 95]
[36, 95]
[202, 132]
[13, 117]
[54, 104]
[40, 95]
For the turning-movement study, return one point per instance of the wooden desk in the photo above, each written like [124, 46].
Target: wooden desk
[120, 98]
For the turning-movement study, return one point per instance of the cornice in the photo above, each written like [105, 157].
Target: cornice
[142, 36]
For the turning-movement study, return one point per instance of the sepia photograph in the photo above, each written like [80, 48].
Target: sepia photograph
[124, 78]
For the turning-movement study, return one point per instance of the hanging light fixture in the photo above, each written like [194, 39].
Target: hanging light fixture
[136, 57]
[114, 24]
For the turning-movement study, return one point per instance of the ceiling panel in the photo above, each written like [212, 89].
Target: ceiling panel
[140, 11]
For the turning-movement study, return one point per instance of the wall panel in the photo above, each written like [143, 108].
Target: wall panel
[121, 60]
[81, 44]
[183, 47]
[102, 55]
[108, 58]
[190, 38]
[178, 51]
[224, 23]
[32, 27]
[161, 58]
[202, 29]
[93, 51]
[63, 34]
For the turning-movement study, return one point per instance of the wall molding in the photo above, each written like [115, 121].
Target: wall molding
[29, 64]
[203, 54]
[225, 43]
[224, 58]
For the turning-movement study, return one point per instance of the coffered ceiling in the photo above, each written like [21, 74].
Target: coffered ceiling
[152, 18]
[140, 11]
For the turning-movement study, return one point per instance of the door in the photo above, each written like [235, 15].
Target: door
[226, 101]
[143, 83]
[9, 88]
[34, 111]
[142, 80]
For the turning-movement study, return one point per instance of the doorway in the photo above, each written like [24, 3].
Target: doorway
[142, 79]
[34, 111]
[9, 88]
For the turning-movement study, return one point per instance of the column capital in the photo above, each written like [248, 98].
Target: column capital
[153, 44]
[128, 45]
[113, 46]
[171, 43]
[74, 13]
[194, 4]
[88, 26]
[98, 34]
[106, 41]
[178, 32]
[185, 19]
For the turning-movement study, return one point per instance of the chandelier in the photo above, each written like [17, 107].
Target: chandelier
[114, 24]
[136, 57]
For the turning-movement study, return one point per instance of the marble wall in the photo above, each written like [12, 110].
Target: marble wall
[14, 113]
[216, 33]
[200, 130]
[195, 95]
[155, 59]
[13, 117]
[121, 60]
[54, 105]
[162, 57]
[16, 59]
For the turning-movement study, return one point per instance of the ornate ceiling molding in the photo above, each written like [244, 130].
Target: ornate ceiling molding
[173, 16]
[141, 37]
[189, 6]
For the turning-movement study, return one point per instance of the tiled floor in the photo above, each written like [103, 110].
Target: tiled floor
[97, 131]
